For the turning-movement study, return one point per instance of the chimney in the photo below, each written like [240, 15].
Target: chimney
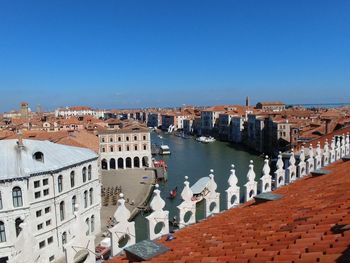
[247, 101]
[20, 139]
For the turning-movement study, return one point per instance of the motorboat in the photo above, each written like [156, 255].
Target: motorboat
[173, 193]
[164, 150]
[200, 189]
[204, 139]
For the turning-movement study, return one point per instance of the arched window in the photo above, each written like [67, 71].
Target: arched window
[0, 201]
[60, 183]
[18, 221]
[62, 210]
[92, 223]
[38, 156]
[87, 221]
[89, 172]
[85, 199]
[17, 197]
[2, 232]
[72, 179]
[84, 174]
[91, 196]
[74, 202]
[64, 239]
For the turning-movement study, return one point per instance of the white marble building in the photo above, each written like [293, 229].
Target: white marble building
[128, 147]
[41, 182]
[79, 111]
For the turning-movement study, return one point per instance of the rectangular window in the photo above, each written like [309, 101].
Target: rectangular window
[49, 240]
[38, 213]
[42, 244]
[37, 194]
[135, 147]
[48, 222]
[52, 258]
[45, 181]
[145, 147]
[36, 184]
[40, 226]
[46, 191]
[47, 209]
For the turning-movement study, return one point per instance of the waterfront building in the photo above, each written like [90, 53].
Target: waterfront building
[255, 132]
[125, 147]
[174, 120]
[210, 118]
[41, 182]
[236, 129]
[154, 119]
[224, 125]
[271, 106]
[78, 111]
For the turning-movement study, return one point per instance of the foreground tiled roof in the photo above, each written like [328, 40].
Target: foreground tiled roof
[304, 226]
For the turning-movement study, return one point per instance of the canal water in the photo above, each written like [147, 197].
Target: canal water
[194, 159]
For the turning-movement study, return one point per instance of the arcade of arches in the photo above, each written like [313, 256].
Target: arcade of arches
[124, 163]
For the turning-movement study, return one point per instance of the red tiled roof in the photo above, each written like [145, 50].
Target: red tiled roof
[303, 226]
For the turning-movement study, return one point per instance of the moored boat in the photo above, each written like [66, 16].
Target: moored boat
[204, 139]
[173, 193]
[199, 189]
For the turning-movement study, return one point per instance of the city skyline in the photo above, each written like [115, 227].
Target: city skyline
[136, 55]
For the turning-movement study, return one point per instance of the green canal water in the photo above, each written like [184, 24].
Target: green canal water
[194, 159]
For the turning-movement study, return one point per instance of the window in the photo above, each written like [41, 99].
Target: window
[2, 232]
[74, 202]
[128, 148]
[0, 201]
[87, 221]
[135, 138]
[52, 258]
[91, 193]
[92, 224]
[135, 147]
[103, 139]
[89, 172]
[38, 156]
[40, 226]
[46, 191]
[45, 181]
[64, 239]
[37, 194]
[62, 210]
[120, 148]
[85, 199]
[84, 174]
[111, 149]
[36, 184]
[42, 244]
[119, 139]
[144, 137]
[38, 213]
[72, 179]
[48, 222]
[49, 240]
[47, 209]
[17, 197]
[127, 138]
[145, 147]
[60, 183]
[111, 139]
[18, 221]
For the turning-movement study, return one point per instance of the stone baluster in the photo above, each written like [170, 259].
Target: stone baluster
[318, 157]
[326, 154]
[251, 186]
[280, 172]
[265, 180]
[332, 151]
[337, 149]
[302, 164]
[342, 147]
[187, 209]
[347, 144]
[232, 193]
[310, 162]
[158, 220]
[212, 199]
[123, 229]
[291, 173]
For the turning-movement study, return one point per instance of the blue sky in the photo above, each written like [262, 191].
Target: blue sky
[131, 54]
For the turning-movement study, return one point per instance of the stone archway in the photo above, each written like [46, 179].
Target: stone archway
[128, 162]
[112, 164]
[145, 161]
[120, 163]
[136, 162]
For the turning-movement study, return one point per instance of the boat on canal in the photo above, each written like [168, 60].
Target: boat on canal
[200, 189]
[164, 150]
[173, 193]
[204, 139]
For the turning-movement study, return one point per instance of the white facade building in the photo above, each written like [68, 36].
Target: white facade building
[79, 111]
[129, 147]
[41, 182]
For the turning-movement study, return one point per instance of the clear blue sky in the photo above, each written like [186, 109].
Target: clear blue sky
[125, 54]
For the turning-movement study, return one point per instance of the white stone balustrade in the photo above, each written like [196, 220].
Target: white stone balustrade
[347, 144]
[158, 220]
[342, 146]
[332, 151]
[187, 209]
[291, 172]
[265, 179]
[280, 172]
[251, 187]
[302, 164]
[337, 149]
[310, 162]
[326, 154]
[123, 233]
[233, 191]
[318, 157]
[212, 199]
